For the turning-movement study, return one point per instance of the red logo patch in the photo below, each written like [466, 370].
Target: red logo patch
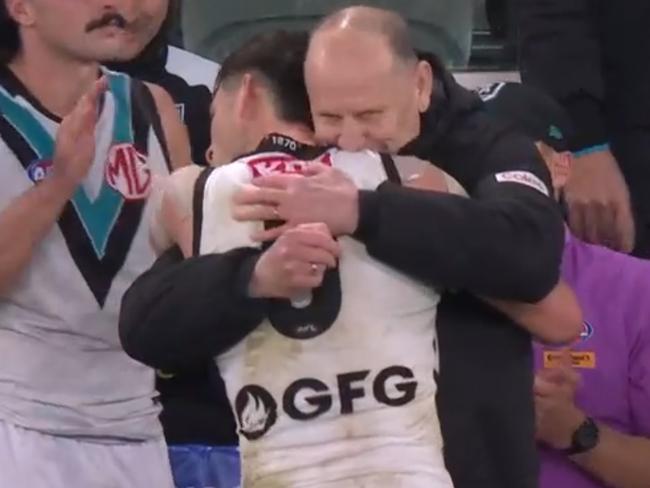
[127, 172]
[269, 164]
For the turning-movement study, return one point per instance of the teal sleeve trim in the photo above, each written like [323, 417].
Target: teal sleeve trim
[591, 150]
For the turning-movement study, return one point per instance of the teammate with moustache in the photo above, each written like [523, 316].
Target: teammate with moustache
[81, 148]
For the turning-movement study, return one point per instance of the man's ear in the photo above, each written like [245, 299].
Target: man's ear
[423, 85]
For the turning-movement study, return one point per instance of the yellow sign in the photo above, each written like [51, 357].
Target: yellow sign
[579, 359]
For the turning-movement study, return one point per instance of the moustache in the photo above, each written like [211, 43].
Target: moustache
[108, 19]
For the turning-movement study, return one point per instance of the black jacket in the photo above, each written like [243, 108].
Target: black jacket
[504, 242]
[592, 56]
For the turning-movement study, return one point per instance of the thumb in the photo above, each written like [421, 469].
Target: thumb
[625, 228]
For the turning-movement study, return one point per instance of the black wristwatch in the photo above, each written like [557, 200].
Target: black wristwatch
[584, 439]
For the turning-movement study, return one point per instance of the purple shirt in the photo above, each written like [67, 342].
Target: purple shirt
[614, 351]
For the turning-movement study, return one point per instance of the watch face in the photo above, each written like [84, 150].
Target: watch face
[586, 437]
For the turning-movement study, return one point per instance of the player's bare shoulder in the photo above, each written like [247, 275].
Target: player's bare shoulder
[175, 131]
[173, 209]
[423, 175]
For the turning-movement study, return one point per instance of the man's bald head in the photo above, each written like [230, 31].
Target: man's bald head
[386, 25]
[366, 86]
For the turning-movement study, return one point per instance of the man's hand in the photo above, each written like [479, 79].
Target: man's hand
[295, 263]
[556, 413]
[75, 140]
[599, 202]
[321, 194]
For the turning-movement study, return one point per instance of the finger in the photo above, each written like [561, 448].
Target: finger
[267, 235]
[624, 228]
[315, 239]
[543, 388]
[89, 106]
[591, 222]
[307, 281]
[555, 376]
[315, 169]
[253, 195]
[606, 232]
[316, 227]
[577, 218]
[88, 115]
[307, 277]
[565, 359]
[245, 213]
[277, 181]
[98, 89]
[314, 256]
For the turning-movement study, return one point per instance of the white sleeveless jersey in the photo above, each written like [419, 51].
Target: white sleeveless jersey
[62, 369]
[340, 391]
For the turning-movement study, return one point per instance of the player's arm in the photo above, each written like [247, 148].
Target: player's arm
[186, 310]
[28, 218]
[557, 318]
[176, 136]
[26, 221]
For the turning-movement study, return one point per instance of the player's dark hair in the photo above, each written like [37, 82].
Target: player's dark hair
[277, 58]
[9, 35]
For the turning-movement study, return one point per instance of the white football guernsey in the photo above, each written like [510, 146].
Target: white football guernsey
[339, 390]
[62, 368]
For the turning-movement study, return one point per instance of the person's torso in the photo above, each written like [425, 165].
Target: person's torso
[340, 391]
[621, 35]
[63, 370]
[601, 355]
[484, 401]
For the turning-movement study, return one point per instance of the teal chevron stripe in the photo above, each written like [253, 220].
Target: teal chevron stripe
[99, 216]
[26, 124]
[120, 86]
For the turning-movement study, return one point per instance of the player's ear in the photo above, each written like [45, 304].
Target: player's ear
[249, 98]
[423, 85]
[21, 11]
[209, 155]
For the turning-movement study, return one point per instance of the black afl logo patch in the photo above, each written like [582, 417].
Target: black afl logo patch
[311, 315]
[257, 411]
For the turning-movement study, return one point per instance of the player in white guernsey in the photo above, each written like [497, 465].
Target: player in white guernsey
[80, 150]
[336, 388]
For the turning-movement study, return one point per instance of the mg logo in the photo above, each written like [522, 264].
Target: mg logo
[127, 172]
